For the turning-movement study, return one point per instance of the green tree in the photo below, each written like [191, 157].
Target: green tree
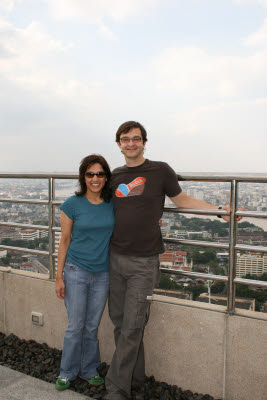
[6, 260]
[218, 287]
[167, 283]
[196, 290]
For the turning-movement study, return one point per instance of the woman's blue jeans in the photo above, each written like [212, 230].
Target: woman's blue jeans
[85, 298]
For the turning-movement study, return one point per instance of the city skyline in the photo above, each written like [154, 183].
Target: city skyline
[194, 73]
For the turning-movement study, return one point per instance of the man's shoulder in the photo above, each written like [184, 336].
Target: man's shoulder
[160, 164]
[148, 165]
[117, 170]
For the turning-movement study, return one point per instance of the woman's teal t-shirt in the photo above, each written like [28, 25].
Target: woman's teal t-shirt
[92, 228]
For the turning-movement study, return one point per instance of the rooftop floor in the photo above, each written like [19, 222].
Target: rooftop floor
[17, 386]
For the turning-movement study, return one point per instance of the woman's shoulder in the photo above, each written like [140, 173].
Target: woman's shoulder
[72, 201]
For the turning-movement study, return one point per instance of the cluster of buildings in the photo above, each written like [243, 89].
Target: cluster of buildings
[252, 264]
[7, 232]
[175, 260]
[252, 196]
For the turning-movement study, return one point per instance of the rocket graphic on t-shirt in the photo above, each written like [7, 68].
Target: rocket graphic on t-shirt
[134, 188]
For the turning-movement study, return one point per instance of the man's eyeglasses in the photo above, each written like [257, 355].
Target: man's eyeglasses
[99, 174]
[135, 139]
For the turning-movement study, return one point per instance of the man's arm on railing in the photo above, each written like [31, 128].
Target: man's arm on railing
[66, 230]
[182, 200]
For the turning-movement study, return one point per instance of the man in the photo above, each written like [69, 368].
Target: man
[139, 190]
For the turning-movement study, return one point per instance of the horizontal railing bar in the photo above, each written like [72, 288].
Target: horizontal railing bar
[221, 177]
[57, 202]
[17, 225]
[198, 243]
[22, 201]
[22, 250]
[200, 275]
[40, 175]
[212, 277]
[56, 229]
[216, 212]
[30, 201]
[250, 282]
[196, 211]
[257, 249]
[254, 214]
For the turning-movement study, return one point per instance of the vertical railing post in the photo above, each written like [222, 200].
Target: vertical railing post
[232, 252]
[51, 220]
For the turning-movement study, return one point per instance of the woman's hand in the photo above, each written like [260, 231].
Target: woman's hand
[60, 288]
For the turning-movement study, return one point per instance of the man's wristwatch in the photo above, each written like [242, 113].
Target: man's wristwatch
[219, 208]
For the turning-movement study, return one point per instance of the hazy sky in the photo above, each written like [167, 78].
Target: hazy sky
[194, 72]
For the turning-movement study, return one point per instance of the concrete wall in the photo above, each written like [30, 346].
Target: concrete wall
[205, 351]
[26, 294]
[2, 296]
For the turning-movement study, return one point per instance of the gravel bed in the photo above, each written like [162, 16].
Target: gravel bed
[43, 362]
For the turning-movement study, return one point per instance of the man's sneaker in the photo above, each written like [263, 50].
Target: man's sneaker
[62, 383]
[96, 380]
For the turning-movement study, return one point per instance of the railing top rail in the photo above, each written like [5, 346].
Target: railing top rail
[39, 175]
[221, 177]
[182, 176]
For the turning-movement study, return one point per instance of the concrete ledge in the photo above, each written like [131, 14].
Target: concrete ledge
[17, 386]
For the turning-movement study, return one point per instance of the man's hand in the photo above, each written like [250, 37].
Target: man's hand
[160, 222]
[228, 210]
[60, 288]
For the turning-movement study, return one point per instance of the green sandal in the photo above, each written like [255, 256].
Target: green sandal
[62, 383]
[96, 380]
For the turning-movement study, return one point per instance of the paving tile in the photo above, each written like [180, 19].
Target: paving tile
[17, 386]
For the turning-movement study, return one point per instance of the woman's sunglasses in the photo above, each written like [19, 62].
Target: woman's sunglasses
[99, 174]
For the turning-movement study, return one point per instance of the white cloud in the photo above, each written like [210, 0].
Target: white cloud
[38, 82]
[227, 137]
[31, 55]
[104, 31]
[192, 71]
[6, 5]
[260, 2]
[258, 38]
[94, 10]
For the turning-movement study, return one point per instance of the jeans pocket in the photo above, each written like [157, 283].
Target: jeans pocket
[69, 266]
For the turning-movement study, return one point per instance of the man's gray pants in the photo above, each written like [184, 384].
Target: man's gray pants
[132, 279]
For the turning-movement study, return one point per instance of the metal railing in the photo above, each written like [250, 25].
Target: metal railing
[232, 245]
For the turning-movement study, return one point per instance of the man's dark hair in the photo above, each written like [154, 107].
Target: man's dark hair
[127, 126]
[88, 162]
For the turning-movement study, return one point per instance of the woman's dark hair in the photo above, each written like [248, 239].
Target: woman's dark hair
[88, 162]
[127, 126]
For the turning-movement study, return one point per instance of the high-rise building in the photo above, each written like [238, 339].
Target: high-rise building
[250, 264]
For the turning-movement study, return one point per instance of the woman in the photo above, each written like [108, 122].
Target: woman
[87, 222]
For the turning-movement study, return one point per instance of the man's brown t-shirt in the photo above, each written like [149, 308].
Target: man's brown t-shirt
[138, 197]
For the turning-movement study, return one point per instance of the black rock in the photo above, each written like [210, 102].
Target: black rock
[43, 362]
